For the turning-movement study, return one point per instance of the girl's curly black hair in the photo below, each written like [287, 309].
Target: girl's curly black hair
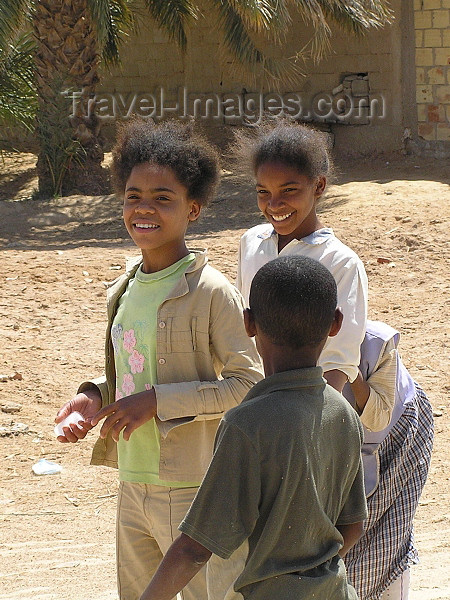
[168, 144]
[281, 141]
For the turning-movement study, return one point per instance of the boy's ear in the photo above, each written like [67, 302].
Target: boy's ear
[249, 323]
[195, 211]
[337, 323]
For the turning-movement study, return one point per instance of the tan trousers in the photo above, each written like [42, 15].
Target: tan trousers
[147, 520]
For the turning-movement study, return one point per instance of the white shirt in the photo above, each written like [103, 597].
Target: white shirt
[259, 245]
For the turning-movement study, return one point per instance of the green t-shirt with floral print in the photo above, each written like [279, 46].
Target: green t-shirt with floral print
[134, 340]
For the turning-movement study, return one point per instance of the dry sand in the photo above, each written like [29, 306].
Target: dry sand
[57, 532]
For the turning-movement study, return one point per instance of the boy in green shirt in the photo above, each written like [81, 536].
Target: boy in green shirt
[283, 499]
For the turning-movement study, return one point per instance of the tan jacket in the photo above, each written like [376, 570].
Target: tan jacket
[206, 365]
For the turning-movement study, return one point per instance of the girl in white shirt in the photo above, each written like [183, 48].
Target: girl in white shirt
[290, 163]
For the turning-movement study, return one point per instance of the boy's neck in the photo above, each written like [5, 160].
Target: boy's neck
[278, 358]
[281, 358]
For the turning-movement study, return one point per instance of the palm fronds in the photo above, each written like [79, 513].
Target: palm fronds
[239, 26]
[13, 14]
[270, 19]
[263, 16]
[115, 21]
[356, 16]
[172, 15]
[17, 94]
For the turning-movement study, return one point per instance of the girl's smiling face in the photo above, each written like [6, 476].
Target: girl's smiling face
[288, 199]
[156, 213]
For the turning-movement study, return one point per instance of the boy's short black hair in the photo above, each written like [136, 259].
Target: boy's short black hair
[293, 300]
[169, 144]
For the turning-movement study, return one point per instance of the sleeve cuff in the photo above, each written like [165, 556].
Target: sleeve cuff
[205, 541]
[350, 370]
[190, 399]
[100, 383]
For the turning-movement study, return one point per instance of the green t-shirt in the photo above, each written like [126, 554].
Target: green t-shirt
[286, 470]
[134, 339]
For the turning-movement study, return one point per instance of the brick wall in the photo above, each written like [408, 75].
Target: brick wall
[151, 62]
[432, 29]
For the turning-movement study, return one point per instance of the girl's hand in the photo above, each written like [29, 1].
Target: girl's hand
[126, 414]
[87, 403]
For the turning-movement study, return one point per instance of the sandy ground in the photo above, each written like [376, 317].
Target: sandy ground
[57, 531]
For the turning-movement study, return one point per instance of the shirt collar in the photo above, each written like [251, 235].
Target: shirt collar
[316, 237]
[296, 379]
[166, 273]
[133, 262]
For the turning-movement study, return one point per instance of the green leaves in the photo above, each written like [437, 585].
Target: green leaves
[13, 15]
[250, 26]
[17, 95]
[247, 26]
[172, 15]
[355, 16]
[261, 15]
[115, 21]
[244, 24]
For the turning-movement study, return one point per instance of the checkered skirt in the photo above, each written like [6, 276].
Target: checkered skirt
[387, 548]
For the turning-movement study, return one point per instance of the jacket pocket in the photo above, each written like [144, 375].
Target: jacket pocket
[188, 335]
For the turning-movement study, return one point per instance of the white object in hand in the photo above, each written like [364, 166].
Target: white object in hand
[72, 420]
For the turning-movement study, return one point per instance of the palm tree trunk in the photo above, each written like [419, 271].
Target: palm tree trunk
[71, 153]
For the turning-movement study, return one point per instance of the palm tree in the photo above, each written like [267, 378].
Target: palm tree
[17, 97]
[72, 36]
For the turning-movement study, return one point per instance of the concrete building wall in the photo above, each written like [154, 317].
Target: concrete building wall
[432, 30]
[364, 86]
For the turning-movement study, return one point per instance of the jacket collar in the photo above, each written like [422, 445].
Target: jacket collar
[182, 287]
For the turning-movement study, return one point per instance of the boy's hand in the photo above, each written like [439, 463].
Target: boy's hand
[126, 414]
[87, 403]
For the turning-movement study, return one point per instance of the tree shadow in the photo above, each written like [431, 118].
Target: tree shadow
[394, 166]
[96, 220]
[17, 185]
